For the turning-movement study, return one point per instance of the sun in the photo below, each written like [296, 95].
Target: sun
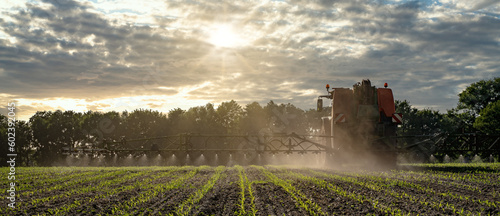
[224, 36]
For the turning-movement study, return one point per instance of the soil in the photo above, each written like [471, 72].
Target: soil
[224, 198]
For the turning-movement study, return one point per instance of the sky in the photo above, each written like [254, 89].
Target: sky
[105, 55]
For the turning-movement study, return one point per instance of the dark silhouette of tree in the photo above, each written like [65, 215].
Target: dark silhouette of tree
[253, 119]
[46, 133]
[52, 131]
[24, 143]
[144, 123]
[97, 127]
[296, 119]
[313, 118]
[203, 120]
[229, 115]
[3, 138]
[176, 122]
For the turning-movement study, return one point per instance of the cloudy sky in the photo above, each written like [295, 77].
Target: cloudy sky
[123, 54]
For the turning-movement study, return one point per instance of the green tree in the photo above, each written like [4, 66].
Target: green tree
[409, 117]
[479, 94]
[419, 122]
[429, 121]
[472, 100]
[489, 119]
[459, 121]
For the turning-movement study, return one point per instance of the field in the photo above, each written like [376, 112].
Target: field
[447, 189]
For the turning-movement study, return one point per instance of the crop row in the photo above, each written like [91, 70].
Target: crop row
[385, 188]
[41, 174]
[254, 190]
[301, 200]
[245, 188]
[427, 190]
[67, 182]
[385, 208]
[106, 192]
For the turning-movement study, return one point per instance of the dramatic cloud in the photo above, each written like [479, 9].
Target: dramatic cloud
[123, 55]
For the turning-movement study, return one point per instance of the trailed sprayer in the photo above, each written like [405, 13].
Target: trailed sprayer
[362, 124]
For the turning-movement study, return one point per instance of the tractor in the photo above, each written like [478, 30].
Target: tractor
[361, 129]
[362, 125]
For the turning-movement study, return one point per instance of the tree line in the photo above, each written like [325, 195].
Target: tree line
[42, 138]
[477, 111]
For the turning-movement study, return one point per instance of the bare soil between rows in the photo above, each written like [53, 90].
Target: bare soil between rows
[224, 197]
